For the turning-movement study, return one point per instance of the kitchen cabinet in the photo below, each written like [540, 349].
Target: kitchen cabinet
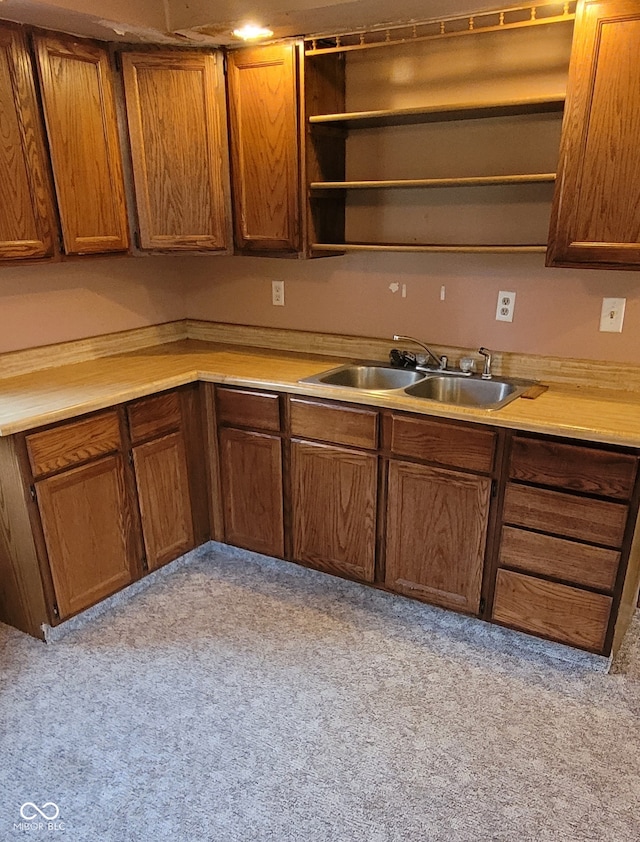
[79, 107]
[334, 487]
[595, 219]
[567, 522]
[88, 517]
[162, 477]
[438, 511]
[251, 476]
[27, 216]
[177, 128]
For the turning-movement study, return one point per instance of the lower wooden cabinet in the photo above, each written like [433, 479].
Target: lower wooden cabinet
[436, 534]
[334, 492]
[89, 533]
[251, 478]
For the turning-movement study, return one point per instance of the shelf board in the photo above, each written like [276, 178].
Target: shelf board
[424, 247]
[440, 114]
[471, 181]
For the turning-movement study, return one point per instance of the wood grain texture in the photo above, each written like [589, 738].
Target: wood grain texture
[334, 500]
[22, 599]
[595, 217]
[27, 216]
[251, 471]
[436, 534]
[177, 126]
[248, 408]
[547, 609]
[88, 533]
[597, 521]
[443, 444]
[79, 107]
[263, 123]
[162, 480]
[199, 459]
[333, 422]
[573, 468]
[69, 444]
[154, 416]
[545, 555]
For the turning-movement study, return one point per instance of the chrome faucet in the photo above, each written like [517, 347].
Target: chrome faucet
[486, 371]
[440, 361]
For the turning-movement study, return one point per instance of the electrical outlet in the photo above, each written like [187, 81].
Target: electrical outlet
[277, 293]
[612, 314]
[506, 305]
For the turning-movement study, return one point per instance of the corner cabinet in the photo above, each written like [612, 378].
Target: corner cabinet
[27, 217]
[178, 132]
[79, 106]
[596, 212]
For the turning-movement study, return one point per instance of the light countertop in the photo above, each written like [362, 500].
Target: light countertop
[43, 397]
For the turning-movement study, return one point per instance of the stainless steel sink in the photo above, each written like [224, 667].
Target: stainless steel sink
[447, 387]
[472, 391]
[367, 376]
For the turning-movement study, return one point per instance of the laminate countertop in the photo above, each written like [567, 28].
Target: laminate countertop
[42, 397]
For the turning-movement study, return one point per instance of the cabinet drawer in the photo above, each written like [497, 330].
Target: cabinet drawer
[573, 467]
[442, 444]
[597, 521]
[334, 423]
[154, 417]
[248, 408]
[559, 612]
[70, 444]
[581, 564]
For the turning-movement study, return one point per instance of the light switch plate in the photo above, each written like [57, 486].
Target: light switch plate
[612, 314]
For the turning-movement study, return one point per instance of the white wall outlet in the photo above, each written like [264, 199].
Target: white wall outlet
[612, 314]
[277, 293]
[506, 305]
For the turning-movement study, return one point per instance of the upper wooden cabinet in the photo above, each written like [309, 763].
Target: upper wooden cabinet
[79, 107]
[27, 218]
[265, 149]
[595, 220]
[177, 125]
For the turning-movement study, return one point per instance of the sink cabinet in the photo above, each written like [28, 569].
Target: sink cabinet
[438, 503]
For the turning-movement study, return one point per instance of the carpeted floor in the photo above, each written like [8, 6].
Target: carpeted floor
[237, 698]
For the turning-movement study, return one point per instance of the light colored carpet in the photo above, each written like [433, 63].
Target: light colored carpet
[238, 698]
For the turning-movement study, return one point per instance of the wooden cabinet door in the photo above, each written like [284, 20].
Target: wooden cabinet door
[27, 218]
[436, 534]
[177, 125]
[77, 95]
[89, 533]
[334, 500]
[265, 159]
[162, 480]
[251, 474]
[595, 218]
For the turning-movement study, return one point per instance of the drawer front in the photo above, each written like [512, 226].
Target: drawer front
[573, 467]
[248, 408]
[70, 444]
[443, 444]
[334, 423]
[154, 417]
[560, 612]
[580, 564]
[597, 521]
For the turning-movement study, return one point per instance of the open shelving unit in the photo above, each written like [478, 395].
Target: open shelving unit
[328, 175]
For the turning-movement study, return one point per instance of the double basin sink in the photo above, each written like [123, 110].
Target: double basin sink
[441, 386]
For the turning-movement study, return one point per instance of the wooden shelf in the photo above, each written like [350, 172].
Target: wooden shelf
[470, 181]
[431, 247]
[439, 113]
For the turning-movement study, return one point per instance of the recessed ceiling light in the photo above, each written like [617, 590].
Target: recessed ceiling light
[251, 32]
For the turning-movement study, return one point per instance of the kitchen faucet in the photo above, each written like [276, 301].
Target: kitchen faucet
[486, 371]
[440, 361]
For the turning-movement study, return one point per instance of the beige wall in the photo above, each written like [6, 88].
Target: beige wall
[557, 311]
[55, 303]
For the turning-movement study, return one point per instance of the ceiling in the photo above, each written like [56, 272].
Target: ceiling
[211, 21]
